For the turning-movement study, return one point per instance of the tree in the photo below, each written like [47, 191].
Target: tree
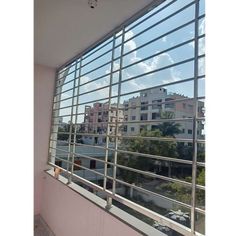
[141, 145]
[169, 129]
[183, 193]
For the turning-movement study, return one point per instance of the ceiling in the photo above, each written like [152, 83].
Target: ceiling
[64, 28]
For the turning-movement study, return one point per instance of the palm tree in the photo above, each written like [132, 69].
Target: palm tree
[169, 128]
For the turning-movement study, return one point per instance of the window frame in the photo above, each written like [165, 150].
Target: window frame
[76, 62]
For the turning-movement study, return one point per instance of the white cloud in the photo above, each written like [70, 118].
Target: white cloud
[202, 27]
[169, 75]
[164, 39]
[166, 76]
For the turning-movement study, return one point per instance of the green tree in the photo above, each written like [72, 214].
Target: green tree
[141, 145]
[169, 128]
[183, 193]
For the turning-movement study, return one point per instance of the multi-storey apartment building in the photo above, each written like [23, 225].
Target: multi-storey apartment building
[96, 121]
[153, 104]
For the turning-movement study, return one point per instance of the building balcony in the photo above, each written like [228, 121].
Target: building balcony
[104, 181]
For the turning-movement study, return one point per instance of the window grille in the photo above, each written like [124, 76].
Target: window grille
[148, 167]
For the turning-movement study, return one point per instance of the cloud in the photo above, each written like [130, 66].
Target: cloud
[164, 39]
[146, 66]
[202, 27]
[165, 76]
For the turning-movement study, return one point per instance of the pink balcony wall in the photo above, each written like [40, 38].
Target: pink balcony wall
[44, 78]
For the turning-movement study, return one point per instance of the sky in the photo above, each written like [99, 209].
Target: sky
[172, 74]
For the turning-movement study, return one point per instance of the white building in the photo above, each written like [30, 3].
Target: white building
[150, 106]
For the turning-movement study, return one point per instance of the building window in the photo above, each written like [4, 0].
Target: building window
[144, 116]
[144, 94]
[156, 105]
[151, 162]
[190, 107]
[169, 105]
[155, 116]
[190, 131]
[143, 128]
[92, 164]
[144, 108]
[133, 105]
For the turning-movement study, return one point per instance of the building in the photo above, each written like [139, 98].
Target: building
[96, 121]
[153, 103]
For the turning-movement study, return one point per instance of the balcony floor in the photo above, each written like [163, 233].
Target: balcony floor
[41, 228]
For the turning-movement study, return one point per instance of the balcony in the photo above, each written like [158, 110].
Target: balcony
[107, 181]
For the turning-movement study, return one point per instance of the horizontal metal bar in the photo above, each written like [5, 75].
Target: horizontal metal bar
[201, 141]
[161, 21]
[67, 152]
[80, 166]
[151, 41]
[127, 184]
[129, 93]
[103, 54]
[107, 63]
[201, 164]
[146, 58]
[153, 175]
[146, 173]
[65, 91]
[153, 215]
[139, 122]
[200, 210]
[139, 106]
[66, 68]
[154, 55]
[154, 13]
[111, 33]
[84, 156]
[157, 157]
[200, 187]
[137, 91]
[201, 118]
[160, 37]
[150, 174]
[58, 86]
[163, 68]
[152, 193]
[99, 48]
[67, 74]
[161, 52]
[84, 181]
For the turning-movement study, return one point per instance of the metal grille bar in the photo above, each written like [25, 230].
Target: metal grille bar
[112, 129]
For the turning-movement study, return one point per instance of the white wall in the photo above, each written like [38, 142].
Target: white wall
[44, 78]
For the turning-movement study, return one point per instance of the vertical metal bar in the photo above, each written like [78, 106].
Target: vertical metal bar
[109, 203]
[54, 128]
[69, 157]
[117, 110]
[109, 107]
[194, 163]
[75, 126]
